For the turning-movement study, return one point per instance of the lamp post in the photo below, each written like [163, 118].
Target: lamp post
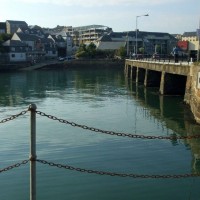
[136, 46]
[127, 45]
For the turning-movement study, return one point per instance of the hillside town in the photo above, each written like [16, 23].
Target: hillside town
[26, 43]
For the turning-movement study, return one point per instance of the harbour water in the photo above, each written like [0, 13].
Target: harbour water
[101, 98]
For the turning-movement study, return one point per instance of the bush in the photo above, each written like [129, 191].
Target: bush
[81, 54]
[121, 53]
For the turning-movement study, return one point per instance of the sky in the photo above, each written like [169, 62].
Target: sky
[171, 16]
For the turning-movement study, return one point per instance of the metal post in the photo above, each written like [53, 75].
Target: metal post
[136, 33]
[136, 38]
[127, 46]
[33, 156]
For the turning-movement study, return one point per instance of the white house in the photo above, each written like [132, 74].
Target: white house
[16, 50]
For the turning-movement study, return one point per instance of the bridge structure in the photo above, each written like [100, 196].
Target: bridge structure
[170, 78]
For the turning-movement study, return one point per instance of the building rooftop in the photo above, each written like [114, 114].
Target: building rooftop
[17, 22]
[190, 34]
[27, 37]
[14, 43]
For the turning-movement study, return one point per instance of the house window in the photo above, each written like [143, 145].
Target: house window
[13, 55]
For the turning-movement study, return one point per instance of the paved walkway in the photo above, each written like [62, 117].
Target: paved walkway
[40, 65]
[169, 62]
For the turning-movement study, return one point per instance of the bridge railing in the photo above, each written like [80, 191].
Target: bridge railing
[162, 58]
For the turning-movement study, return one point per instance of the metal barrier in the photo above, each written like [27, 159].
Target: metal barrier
[162, 58]
[33, 158]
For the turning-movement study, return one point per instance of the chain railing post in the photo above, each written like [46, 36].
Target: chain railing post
[32, 156]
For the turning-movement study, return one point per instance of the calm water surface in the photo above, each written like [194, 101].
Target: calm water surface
[103, 99]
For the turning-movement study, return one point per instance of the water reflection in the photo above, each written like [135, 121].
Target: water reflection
[98, 98]
[23, 88]
[171, 111]
[19, 88]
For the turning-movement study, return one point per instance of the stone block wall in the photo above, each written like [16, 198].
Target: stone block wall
[193, 87]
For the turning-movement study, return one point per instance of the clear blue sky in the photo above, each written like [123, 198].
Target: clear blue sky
[172, 16]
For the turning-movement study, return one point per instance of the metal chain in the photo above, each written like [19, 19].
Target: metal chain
[13, 117]
[14, 166]
[120, 134]
[90, 171]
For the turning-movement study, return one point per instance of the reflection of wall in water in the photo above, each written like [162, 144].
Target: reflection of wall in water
[182, 123]
[193, 129]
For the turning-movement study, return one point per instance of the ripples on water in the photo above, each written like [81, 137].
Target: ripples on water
[102, 99]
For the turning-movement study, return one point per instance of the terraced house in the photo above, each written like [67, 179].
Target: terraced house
[12, 26]
[32, 43]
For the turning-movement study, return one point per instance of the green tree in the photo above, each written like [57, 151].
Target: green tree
[141, 50]
[82, 47]
[91, 49]
[81, 54]
[121, 52]
[4, 37]
[86, 51]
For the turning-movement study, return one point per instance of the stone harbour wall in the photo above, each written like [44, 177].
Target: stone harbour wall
[193, 85]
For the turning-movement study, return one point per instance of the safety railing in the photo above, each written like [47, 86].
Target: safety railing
[164, 58]
[33, 158]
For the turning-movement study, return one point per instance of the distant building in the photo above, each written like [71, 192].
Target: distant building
[12, 26]
[79, 35]
[107, 43]
[150, 42]
[36, 48]
[193, 44]
[193, 40]
[2, 27]
[91, 33]
[61, 44]
[16, 50]
[68, 41]
[32, 30]
[177, 36]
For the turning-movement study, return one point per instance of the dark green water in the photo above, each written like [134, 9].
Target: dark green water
[103, 99]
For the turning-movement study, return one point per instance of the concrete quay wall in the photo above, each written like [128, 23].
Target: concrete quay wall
[194, 87]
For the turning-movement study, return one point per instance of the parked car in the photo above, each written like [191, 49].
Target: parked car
[137, 57]
[61, 58]
[155, 56]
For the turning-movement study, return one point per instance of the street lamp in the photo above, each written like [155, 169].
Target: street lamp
[137, 31]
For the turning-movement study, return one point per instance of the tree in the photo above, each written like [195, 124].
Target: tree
[121, 52]
[86, 51]
[82, 47]
[81, 54]
[141, 50]
[91, 49]
[4, 37]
